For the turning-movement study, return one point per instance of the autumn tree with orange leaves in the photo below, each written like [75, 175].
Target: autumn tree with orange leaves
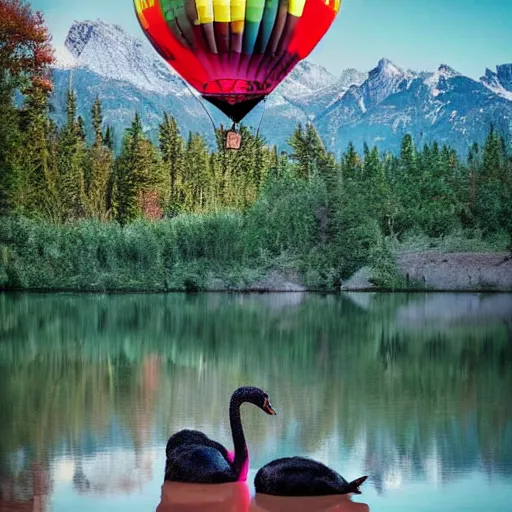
[25, 46]
[25, 57]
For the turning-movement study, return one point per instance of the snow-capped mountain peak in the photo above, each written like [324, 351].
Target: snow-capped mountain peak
[109, 51]
[504, 72]
[386, 67]
[499, 82]
[436, 81]
[383, 80]
[446, 71]
[64, 59]
[306, 78]
[351, 77]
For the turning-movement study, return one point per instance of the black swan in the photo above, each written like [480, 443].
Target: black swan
[299, 476]
[194, 458]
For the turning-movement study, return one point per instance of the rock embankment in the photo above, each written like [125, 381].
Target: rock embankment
[441, 271]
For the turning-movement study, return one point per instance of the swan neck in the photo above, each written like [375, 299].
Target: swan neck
[237, 431]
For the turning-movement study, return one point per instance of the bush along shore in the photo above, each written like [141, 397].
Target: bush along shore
[221, 252]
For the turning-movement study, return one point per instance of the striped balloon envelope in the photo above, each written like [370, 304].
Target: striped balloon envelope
[235, 52]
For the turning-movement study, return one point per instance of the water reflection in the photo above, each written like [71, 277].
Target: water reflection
[392, 386]
[264, 503]
[236, 497]
[178, 497]
[27, 490]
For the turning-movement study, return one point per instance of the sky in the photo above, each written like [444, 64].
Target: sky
[468, 35]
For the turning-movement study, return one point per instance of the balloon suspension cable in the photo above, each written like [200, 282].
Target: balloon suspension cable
[261, 118]
[204, 108]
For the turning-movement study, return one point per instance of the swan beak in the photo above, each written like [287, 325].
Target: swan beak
[268, 409]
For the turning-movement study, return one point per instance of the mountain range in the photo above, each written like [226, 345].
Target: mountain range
[376, 107]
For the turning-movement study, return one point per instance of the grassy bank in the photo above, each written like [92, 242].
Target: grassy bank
[187, 252]
[198, 252]
[177, 254]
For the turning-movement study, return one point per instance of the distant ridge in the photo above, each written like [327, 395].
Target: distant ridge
[377, 107]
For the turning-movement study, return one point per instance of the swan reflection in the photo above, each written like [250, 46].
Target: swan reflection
[185, 497]
[335, 503]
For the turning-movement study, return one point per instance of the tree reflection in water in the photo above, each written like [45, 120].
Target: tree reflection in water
[26, 491]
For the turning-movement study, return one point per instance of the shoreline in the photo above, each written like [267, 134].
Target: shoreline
[421, 272]
[443, 271]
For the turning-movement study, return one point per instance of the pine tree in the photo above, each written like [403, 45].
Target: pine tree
[150, 180]
[140, 178]
[494, 156]
[474, 164]
[100, 167]
[197, 176]
[97, 121]
[124, 201]
[408, 188]
[438, 203]
[408, 154]
[493, 192]
[72, 161]
[10, 167]
[38, 190]
[392, 205]
[223, 172]
[108, 140]
[350, 165]
[172, 151]
[308, 151]
[375, 187]
[249, 170]
[80, 128]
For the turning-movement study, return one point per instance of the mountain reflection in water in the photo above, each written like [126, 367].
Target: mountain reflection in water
[389, 385]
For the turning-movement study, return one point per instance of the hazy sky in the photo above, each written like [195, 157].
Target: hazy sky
[469, 35]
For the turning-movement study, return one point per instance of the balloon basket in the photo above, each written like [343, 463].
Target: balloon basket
[233, 140]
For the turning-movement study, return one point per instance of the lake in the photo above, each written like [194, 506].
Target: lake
[413, 390]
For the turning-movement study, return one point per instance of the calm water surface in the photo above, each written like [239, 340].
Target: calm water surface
[413, 390]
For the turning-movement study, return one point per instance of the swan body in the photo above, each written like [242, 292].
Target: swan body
[200, 464]
[186, 437]
[193, 457]
[299, 476]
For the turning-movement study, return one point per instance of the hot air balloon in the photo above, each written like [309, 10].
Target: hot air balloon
[235, 52]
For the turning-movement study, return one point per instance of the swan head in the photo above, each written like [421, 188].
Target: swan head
[255, 396]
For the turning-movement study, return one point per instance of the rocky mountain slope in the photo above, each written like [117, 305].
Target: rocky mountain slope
[377, 107]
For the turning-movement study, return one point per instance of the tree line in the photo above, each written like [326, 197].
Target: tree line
[53, 173]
